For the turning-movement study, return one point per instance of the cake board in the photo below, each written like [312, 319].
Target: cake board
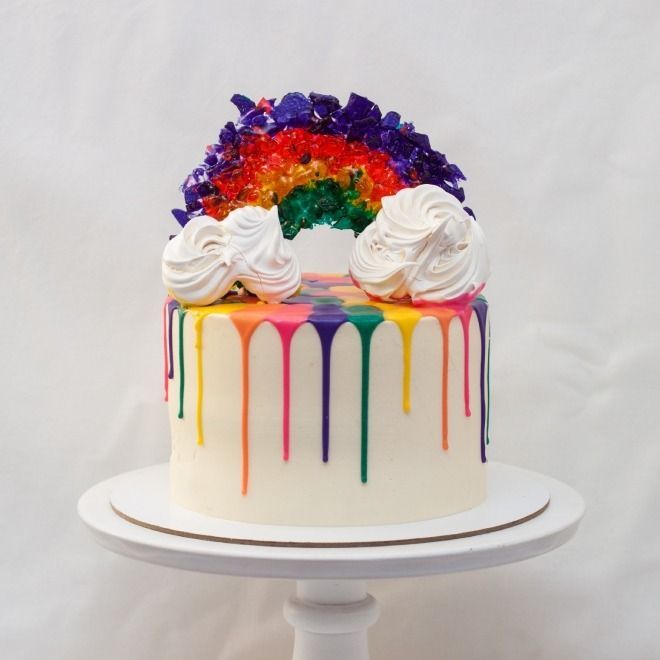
[331, 609]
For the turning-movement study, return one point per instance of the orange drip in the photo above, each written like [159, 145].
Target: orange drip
[444, 317]
[246, 321]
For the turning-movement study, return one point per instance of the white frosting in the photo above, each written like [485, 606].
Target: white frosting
[422, 245]
[201, 264]
[410, 477]
[197, 263]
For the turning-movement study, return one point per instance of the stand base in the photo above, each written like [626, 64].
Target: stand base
[331, 618]
[331, 610]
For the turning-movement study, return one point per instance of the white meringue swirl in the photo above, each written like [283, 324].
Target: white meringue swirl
[422, 245]
[201, 264]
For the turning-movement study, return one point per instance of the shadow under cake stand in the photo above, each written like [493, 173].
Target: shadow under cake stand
[526, 514]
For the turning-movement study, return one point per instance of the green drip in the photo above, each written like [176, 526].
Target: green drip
[324, 202]
[182, 379]
[366, 319]
[488, 389]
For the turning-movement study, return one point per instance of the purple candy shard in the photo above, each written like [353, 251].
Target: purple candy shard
[190, 195]
[260, 120]
[181, 216]
[206, 188]
[391, 120]
[324, 104]
[243, 103]
[362, 127]
[420, 140]
[359, 107]
[295, 109]
[253, 116]
[229, 134]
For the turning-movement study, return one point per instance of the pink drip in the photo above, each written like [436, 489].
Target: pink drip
[286, 330]
[465, 315]
[166, 368]
[286, 325]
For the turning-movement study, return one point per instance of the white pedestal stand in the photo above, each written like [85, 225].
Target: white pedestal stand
[331, 610]
[331, 619]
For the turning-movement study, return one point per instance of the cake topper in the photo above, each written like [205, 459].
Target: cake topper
[319, 161]
[311, 161]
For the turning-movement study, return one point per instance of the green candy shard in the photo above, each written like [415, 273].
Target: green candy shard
[323, 202]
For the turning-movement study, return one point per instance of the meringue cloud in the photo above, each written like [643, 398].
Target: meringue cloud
[202, 263]
[422, 245]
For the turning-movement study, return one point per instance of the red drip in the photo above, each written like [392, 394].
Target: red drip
[444, 316]
[465, 314]
[246, 320]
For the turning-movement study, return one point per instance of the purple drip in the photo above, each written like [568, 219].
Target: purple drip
[326, 319]
[480, 307]
[171, 306]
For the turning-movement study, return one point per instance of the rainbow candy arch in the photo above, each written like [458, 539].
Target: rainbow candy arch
[319, 161]
[327, 302]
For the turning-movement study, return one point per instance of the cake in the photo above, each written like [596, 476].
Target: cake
[358, 398]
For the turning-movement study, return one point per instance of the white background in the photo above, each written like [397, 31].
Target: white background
[551, 109]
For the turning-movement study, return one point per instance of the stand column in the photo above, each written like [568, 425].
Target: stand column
[331, 618]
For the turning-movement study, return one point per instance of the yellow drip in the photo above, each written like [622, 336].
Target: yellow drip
[406, 318]
[200, 377]
[200, 314]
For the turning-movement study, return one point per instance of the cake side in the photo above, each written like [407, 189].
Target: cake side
[406, 428]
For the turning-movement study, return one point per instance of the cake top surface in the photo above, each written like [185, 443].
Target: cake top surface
[308, 161]
[325, 303]
[322, 294]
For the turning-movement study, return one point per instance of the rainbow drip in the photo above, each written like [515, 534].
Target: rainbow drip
[327, 302]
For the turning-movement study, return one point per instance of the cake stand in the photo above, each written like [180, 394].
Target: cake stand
[527, 514]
